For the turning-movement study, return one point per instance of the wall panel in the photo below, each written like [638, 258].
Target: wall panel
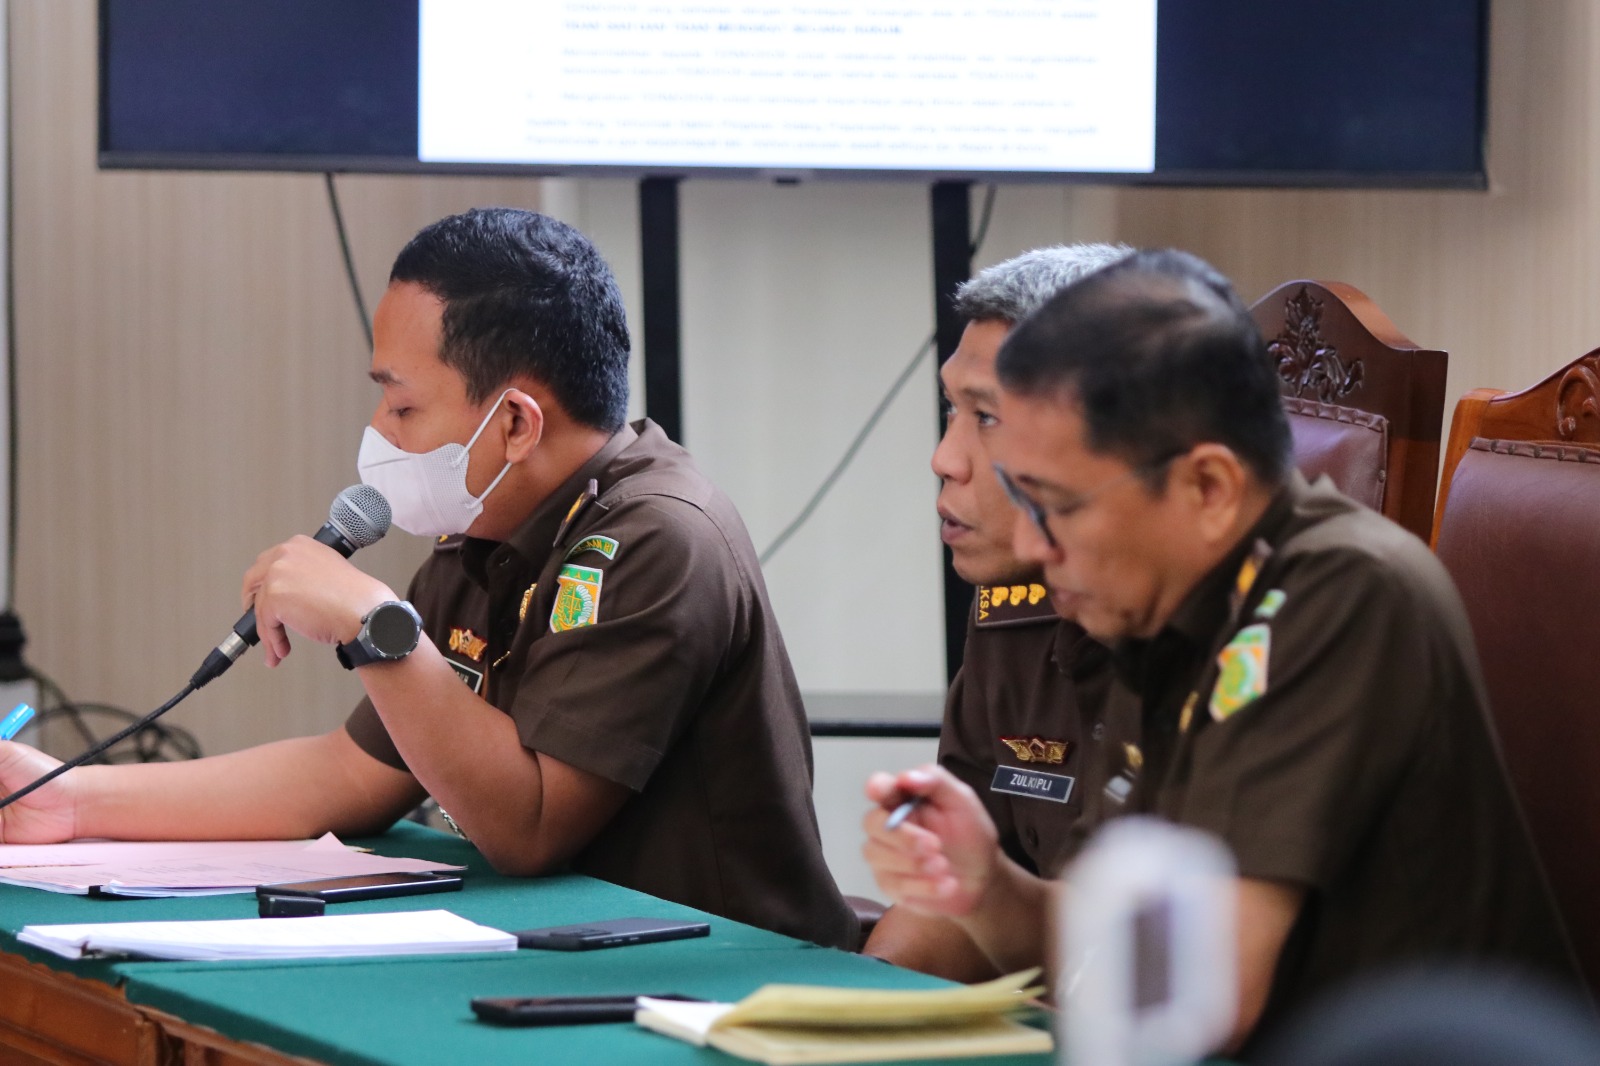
[192, 384]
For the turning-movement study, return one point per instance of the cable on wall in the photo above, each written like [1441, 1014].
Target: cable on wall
[349, 259]
[985, 214]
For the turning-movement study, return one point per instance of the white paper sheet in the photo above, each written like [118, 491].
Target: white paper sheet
[202, 867]
[328, 936]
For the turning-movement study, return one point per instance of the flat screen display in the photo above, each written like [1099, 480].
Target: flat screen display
[1222, 92]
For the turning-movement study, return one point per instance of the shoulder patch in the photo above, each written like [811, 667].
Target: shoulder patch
[1241, 671]
[1013, 605]
[1271, 604]
[451, 543]
[577, 599]
[604, 545]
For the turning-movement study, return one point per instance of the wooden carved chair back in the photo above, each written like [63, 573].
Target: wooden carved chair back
[1366, 404]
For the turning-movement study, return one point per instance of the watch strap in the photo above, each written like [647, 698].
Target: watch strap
[354, 653]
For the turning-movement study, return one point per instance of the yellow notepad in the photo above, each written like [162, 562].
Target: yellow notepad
[781, 1024]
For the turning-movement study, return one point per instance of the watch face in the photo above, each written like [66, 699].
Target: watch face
[392, 631]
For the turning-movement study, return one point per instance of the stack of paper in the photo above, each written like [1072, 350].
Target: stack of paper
[782, 1024]
[190, 868]
[331, 936]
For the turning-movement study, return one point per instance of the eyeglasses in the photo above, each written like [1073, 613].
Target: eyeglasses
[1039, 516]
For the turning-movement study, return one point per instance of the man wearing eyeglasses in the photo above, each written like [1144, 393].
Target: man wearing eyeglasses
[1302, 668]
[1031, 681]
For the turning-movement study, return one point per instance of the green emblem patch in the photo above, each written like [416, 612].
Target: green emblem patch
[578, 600]
[1242, 671]
[604, 545]
[1271, 604]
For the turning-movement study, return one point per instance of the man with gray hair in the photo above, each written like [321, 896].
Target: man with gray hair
[1031, 681]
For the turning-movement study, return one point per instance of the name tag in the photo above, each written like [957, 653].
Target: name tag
[473, 678]
[1057, 788]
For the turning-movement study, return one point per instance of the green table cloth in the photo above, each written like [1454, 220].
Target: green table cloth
[413, 1010]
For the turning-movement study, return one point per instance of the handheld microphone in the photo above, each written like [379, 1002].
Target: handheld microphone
[359, 517]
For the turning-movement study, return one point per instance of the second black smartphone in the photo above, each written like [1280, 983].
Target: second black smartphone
[365, 886]
[613, 933]
[559, 1010]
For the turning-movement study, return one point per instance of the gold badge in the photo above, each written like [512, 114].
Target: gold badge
[1134, 756]
[468, 643]
[527, 598]
[1037, 749]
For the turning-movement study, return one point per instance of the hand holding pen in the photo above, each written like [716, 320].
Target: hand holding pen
[930, 842]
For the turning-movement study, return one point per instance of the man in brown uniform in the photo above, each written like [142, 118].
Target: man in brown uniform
[1030, 681]
[1303, 669]
[628, 709]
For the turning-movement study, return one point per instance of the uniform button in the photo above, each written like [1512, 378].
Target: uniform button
[1099, 731]
[1031, 835]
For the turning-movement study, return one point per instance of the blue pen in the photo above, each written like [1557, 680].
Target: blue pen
[19, 716]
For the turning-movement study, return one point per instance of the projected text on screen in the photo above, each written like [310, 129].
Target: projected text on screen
[1012, 85]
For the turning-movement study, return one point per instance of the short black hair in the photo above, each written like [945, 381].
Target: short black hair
[525, 294]
[1159, 354]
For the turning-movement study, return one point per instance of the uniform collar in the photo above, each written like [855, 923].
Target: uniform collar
[535, 537]
[1206, 609]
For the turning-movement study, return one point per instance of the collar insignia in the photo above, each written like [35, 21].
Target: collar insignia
[581, 504]
[1038, 749]
[1187, 716]
[1013, 605]
[468, 643]
[1245, 580]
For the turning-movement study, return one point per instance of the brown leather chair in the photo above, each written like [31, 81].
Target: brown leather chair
[1519, 528]
[1366, 405]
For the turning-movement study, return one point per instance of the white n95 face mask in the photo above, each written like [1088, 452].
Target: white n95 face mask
[427, 491]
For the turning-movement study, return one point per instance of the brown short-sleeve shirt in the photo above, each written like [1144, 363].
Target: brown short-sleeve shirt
[1337, 738]
[629, 635]
[1029, 691]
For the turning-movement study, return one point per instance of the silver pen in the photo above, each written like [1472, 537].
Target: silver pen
[901, 813]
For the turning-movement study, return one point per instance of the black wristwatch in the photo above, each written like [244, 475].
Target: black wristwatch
[389, 631]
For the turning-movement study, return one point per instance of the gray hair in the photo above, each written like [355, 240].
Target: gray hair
[1013, 290]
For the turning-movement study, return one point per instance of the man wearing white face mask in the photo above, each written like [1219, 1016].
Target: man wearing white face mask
[602, 684]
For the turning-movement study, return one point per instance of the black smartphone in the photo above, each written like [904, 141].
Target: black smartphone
[560, 1010]
[609, 934]
[364, 886]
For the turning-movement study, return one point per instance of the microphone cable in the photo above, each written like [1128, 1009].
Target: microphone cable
[157, 743]
[79, 760]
